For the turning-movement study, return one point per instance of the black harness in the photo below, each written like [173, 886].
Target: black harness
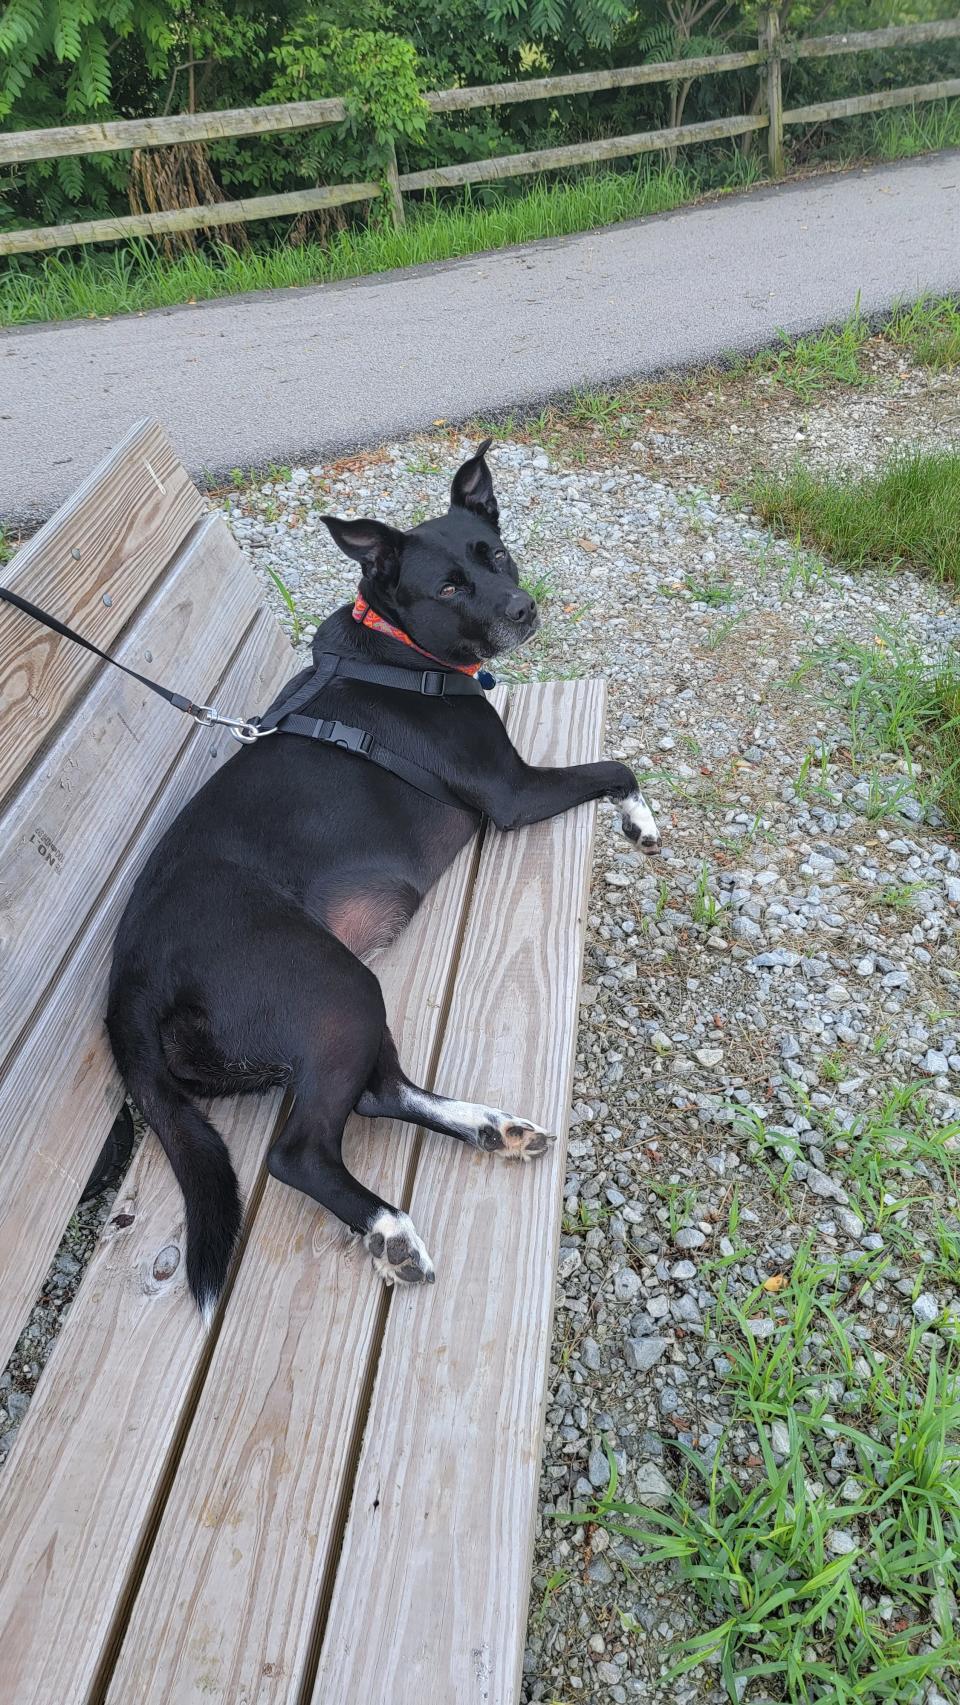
[283, 716]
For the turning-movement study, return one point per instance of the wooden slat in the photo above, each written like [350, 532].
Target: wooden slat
[579, 153]
[55, 143]
[225, 1611]
[61, 1090]
[78, 1491]
[35, 238]
[64, 830]
[91, 565]
[589, 82]
[881, 101]
[869, 41]
[430, 1598]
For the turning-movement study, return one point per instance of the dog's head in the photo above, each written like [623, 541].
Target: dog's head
[450, 584]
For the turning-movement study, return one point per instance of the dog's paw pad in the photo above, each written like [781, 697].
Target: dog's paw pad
[517, 1139]
[639, 824]
[397, 1252]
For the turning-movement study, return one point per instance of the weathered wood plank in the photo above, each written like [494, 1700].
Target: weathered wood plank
[91, 565]
[61, 1090]
[183, 218]
[65, 829]
[448, 1473]
[588, 82]
[78, 1492]
[869, 41]
[20, 145]
[578, 153]
[227, 1604]
[880, 101]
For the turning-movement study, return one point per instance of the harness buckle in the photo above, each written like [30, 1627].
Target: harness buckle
[352, 739]
[433, 683]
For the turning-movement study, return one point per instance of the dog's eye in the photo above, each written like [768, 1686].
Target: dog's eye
[448, 590]
[500, 556]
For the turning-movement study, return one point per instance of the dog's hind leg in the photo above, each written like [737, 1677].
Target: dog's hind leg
[340, 1021]
[389, 1094]
[307, 1155]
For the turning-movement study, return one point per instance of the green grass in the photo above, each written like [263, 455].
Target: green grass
[705, 908]
[711, 592]
[806, 1591]
[905, 516]
[908, 131]
[929, 331]
[137, 276]
[897, 703]
[900, 896]
[809, 365]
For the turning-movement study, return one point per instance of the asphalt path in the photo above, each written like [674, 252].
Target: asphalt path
[296, 375]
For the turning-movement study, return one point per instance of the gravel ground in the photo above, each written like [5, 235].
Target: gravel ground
[752, 1002]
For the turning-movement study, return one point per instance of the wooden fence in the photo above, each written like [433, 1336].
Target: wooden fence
[772, 52]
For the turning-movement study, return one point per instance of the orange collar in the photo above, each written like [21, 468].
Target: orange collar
[368, 618]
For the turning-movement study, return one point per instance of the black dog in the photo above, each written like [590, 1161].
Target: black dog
[239, 959]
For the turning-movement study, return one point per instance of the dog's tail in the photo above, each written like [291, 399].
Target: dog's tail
[197, 1153]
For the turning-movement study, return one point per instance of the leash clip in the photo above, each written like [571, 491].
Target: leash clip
[208, 716]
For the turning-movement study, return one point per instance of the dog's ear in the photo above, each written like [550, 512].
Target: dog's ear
[472, 488]
[377, 547]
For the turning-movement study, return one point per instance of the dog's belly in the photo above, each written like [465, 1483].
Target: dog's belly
[370, 917]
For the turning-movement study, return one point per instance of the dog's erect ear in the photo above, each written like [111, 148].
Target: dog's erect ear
[472, 487]
[377, 547]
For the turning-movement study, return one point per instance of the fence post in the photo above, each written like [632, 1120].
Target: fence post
[770, 47]
[393, 185]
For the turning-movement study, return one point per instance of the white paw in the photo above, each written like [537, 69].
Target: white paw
[639, 824]
[517, 1139]
[397, 1252]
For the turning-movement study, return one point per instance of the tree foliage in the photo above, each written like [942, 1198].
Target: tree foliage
[73, 61]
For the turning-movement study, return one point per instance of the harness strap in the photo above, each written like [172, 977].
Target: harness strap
[332, 733]
[432, 683]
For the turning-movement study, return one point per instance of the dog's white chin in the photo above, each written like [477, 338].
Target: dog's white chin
[506, 638]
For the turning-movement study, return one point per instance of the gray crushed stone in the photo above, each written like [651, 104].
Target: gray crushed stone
[805, 988]
[755, 971]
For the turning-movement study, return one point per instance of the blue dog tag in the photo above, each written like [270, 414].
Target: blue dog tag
[486, 679]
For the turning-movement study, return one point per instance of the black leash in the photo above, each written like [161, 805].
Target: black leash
[207, 715]
[282, 717]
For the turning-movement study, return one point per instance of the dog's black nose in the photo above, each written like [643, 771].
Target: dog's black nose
[520, 608]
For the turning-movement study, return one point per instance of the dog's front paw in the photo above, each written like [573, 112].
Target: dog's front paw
[639, 824]
[397, 1252]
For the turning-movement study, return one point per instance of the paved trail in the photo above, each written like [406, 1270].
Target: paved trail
[293, 375]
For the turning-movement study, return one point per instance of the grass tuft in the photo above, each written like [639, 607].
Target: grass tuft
[809, 365]
[898, 703]
[909, 131]
[929, 330]
[905, 516]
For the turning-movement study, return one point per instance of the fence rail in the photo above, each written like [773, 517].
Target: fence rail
[772, 53]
